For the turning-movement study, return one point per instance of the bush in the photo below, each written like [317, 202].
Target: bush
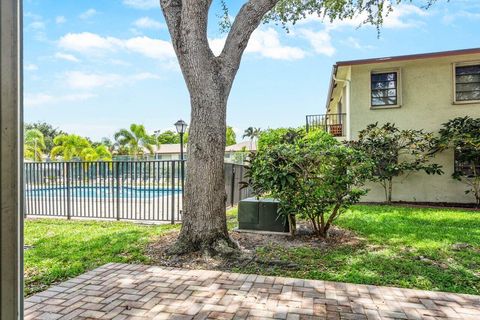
[395, 152]
[313, 175]
[463, 134]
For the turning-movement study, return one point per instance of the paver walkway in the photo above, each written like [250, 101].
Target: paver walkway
[122, 291]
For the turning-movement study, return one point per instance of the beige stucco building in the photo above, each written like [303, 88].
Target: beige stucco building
[414, 91]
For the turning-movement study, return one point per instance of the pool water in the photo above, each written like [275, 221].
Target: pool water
[104, 192]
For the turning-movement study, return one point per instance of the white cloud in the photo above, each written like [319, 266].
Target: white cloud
[37, 25]
[450, 17]
[119, 62]
[148, 23]
[319, 40]
[39, 99]
[66, 57]
[217, 45]
[144, 76]
[151, 48]
[31, 67]
[402, 16]
[267, 44]
[90, 43]
[60, 20]
[88, 14]
[355, 43]
[82, 80]
[142, 4]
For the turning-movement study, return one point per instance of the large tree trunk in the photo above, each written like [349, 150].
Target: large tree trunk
[204, 219]
[209, 80]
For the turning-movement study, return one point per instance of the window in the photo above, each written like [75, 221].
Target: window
[384, 89]
[466, 168]
[467, 83]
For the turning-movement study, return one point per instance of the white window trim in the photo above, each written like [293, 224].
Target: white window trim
[454, 80]
[399, 88]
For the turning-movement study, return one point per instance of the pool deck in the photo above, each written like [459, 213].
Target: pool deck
[123, 291]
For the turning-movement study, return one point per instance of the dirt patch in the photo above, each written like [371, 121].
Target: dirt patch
[248, 244]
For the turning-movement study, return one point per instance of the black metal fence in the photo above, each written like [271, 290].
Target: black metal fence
[332, 123]
[121, 190]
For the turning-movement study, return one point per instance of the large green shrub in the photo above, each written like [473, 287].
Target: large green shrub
[313, 175]
[396, 152]
[463, 134]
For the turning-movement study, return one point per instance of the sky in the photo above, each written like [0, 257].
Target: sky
[92, 67]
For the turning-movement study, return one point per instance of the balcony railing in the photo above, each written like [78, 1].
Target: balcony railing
[332, 123]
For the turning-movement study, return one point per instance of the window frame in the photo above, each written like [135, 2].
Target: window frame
[454, 82]
[398, 88]
[459, 166]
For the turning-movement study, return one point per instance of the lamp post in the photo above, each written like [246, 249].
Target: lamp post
[181, 127]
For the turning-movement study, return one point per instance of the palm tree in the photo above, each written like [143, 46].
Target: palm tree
[69, 146]
[34, 142]
[99, 153]
[136, 140]
[253, 134]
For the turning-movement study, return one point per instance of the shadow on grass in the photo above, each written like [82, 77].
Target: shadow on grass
[63, 249]
[363, 265]
[404, 247]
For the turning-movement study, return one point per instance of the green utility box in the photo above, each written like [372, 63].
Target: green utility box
[261, 215]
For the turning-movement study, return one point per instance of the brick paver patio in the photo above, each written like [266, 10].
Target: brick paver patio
[122, 291]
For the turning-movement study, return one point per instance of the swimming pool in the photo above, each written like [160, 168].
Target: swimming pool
[103, 192]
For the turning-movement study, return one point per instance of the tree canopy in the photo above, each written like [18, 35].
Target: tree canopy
[231, 137]
[34, 142]
[168, 137]
[49, 133]
[136, 140]
[69, 146]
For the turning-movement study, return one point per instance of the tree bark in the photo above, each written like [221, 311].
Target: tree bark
[390, 187]
[204, 220]
[209, 80]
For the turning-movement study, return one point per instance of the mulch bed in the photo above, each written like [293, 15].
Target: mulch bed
[248, 244]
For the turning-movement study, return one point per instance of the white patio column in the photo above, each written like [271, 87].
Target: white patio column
[11, 162]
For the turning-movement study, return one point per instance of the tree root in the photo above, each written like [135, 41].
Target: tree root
[218, 246]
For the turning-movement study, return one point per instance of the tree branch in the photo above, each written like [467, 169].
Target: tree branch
[247, 20]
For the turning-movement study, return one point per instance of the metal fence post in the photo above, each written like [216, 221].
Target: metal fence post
[173, 193]
[69, 202]
[232, 187]
[183, 180]
[117, 165]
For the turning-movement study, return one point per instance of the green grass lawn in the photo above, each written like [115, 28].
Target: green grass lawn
[403, 247]
[63, 249]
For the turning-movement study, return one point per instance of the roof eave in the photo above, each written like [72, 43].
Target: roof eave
[332, 86]
[410, 57]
